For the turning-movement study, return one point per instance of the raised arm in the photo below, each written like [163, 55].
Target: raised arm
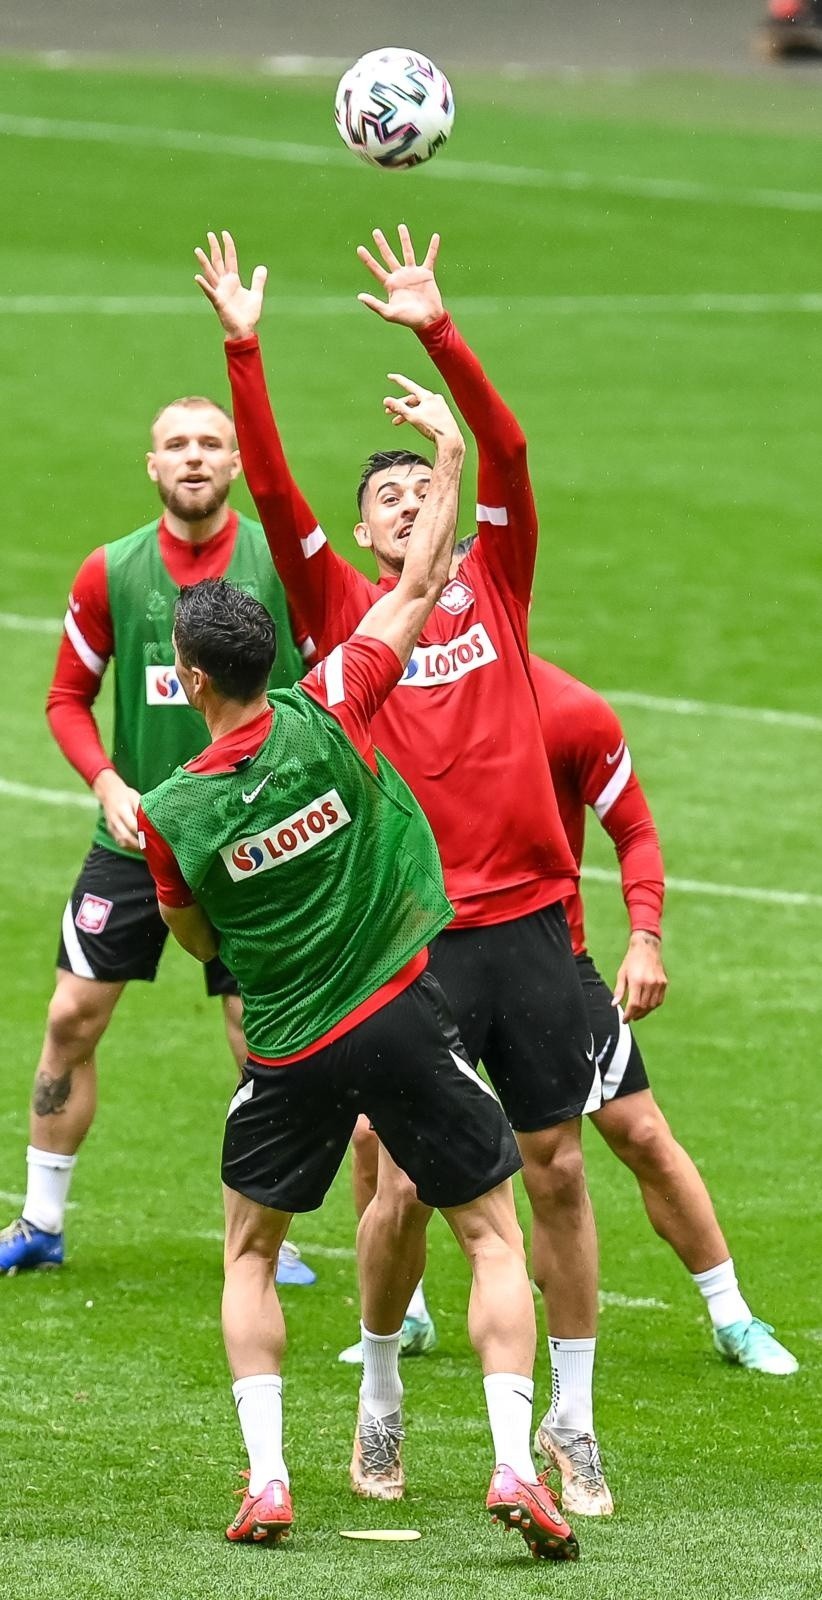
[313, 576]
[399, 616]
[506, 514]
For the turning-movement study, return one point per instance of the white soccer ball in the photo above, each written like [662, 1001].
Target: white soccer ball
[394, 108]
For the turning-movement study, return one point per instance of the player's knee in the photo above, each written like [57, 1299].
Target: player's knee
[646, 1145]
[555, 1174]
[75, 1021]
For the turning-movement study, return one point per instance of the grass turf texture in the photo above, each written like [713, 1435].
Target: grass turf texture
[675, 456]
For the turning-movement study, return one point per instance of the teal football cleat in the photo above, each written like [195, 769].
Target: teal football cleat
[291, 1269]
[418, 1337]
[24, 1248]
[752, 1344]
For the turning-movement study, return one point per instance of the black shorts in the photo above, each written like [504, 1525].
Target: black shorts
[619, 1061]
[112, 930]
[515, 992]
[405, 1068]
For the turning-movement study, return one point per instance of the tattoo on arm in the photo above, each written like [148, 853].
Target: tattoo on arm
[50, 1094]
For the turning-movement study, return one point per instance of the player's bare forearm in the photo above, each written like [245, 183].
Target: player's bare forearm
[191, 928]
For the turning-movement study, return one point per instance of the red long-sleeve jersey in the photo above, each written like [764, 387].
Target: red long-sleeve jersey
[462, 725]
[591, 766]
[87, 644]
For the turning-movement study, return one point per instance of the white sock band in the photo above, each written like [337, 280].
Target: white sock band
[381, 1387]
[572, 1384]
[47, 1187]
[259, 1402]
[720, 1291]
[510, 1402]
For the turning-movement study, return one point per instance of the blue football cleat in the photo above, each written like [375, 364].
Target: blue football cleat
[751, 1344]
[23, 1247]
[291, 1268]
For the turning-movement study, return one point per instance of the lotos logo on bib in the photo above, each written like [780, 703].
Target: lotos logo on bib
[163, 687]
[433, 665]
[287, 839]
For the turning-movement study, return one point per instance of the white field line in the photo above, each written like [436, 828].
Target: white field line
[208, 145]
[722, 891]
[713, 708]
[719, 891]
[18, 622]
[703, 303]
[629, 1302]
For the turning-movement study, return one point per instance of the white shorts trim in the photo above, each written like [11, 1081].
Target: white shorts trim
[78, 962]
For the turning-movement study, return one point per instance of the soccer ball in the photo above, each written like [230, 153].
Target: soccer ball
[394, 108]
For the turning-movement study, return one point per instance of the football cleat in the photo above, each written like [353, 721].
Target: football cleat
[751, 1344]
[291, 1269]
[531, 1508]
[263, 1518]
[376, 1470]
[576, 1458]
[24, 1247]
[418, 1337]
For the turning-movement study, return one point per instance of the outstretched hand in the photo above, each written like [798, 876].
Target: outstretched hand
[426, 411]
[414, 300]
[238, 309]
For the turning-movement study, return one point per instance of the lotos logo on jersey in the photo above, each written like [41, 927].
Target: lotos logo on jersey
[163, 687]
[456, 597]
[433, 665]
[287, 839]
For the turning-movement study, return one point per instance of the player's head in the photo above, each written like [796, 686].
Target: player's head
[391, 490]
[225, 643]
[193, 457]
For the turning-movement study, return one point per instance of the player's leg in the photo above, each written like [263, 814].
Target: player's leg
[286, 1133]
[418, 1334]
[467, 1175]
[291, 1269]
[254, 1335]
[527, 1019]
[674, 1193]
[390, 1259]
[111, 932]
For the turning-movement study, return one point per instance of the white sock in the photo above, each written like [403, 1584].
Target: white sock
[416, 1305]
[720, 1291]
[572, 1384]
[47, 1188]
[259, 1402]
[510, 1402]
[381, 1387]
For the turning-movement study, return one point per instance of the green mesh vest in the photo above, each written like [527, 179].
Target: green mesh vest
[155, 729]
[321, 877]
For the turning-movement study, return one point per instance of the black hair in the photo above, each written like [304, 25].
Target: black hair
[462, 547]
[228, 634]
[381, 460]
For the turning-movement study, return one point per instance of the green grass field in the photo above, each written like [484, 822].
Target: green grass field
[674, 444]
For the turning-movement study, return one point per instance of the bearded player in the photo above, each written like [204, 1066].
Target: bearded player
[120, 609]
[463, 730]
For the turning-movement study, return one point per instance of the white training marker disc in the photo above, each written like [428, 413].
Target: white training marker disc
[395, 1535]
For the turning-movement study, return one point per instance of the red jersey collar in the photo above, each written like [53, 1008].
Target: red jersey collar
[224, 754]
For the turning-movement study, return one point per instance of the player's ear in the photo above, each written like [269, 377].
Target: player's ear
[151, 466]
[236, 466]
[362, 536]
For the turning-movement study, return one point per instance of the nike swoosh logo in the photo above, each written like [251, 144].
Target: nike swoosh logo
[74, 605]
[590, 1053]
[617, 753]
[254, 793]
